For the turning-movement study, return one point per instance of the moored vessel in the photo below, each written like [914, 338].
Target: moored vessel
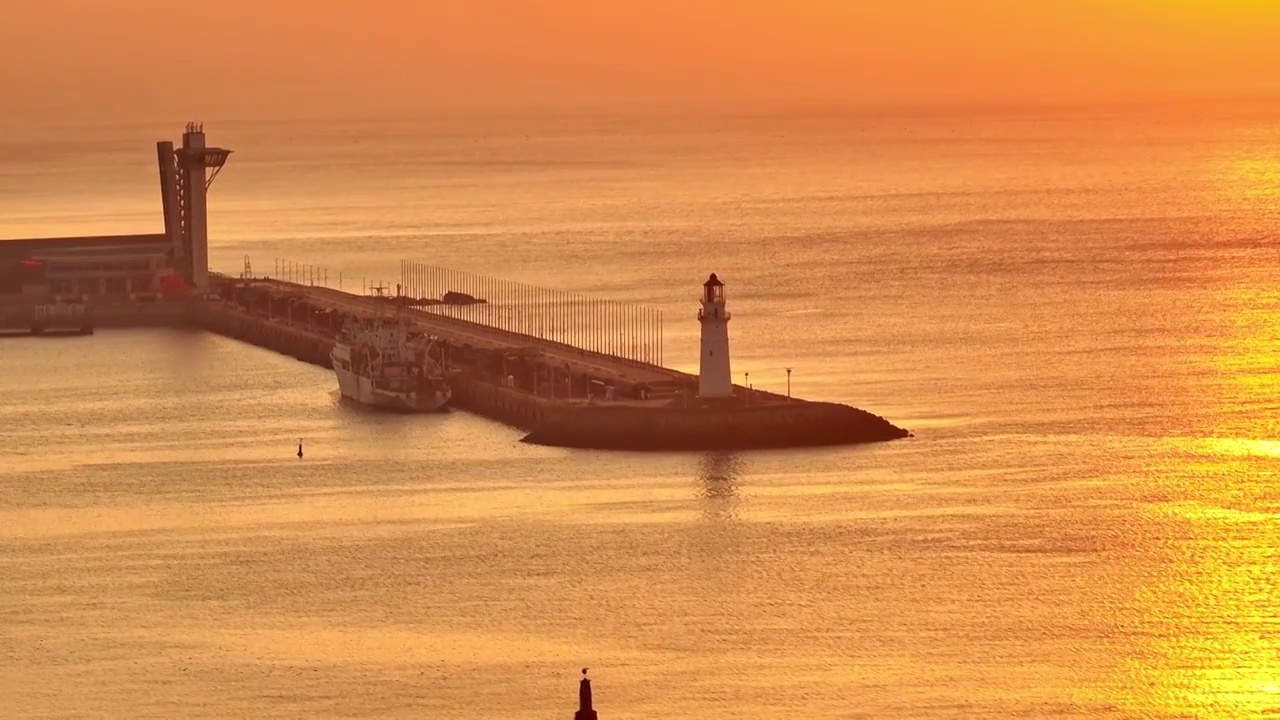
[380, 363]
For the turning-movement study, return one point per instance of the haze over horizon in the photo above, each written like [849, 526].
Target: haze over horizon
[131, 60]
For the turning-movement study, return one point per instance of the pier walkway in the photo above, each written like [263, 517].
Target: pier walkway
[458, 331]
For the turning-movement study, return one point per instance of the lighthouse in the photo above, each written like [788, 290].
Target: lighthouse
[715, 380]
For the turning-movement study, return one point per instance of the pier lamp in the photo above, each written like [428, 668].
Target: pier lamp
[788, 383]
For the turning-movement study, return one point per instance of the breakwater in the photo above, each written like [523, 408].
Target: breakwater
[560, 395]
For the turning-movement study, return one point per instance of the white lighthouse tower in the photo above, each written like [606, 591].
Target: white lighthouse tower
[715, 380]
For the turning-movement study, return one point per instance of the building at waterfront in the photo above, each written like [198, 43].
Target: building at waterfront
[123, 267]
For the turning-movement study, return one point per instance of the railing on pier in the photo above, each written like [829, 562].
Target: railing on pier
[622, 330]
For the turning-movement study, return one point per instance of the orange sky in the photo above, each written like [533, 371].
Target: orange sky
[128, 59]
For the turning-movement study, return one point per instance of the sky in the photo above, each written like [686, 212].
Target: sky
[146, 59]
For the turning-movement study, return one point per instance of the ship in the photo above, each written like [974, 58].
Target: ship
[382, 364]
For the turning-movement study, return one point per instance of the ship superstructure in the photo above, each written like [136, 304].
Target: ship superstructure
[380, 362]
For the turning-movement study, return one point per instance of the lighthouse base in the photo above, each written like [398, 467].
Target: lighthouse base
[713, 424]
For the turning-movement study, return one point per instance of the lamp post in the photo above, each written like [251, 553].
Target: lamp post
[746, 386]
[788, 383]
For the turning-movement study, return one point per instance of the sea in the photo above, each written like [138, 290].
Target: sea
[1074, 310]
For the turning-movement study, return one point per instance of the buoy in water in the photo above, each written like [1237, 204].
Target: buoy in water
[299, 447]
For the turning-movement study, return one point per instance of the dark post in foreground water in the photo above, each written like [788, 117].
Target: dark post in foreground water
[585, 711]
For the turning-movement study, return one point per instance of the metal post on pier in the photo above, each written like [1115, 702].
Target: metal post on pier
[526, 309]
[517, 289]
[562, 313]
[570, 311]
[649, 340]
[648, 337]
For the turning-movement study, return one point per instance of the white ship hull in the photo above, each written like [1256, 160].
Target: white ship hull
[382, 365]
[362, 390]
